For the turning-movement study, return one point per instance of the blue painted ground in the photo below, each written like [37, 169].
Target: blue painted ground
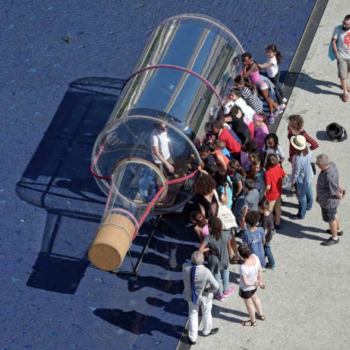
[51, 298]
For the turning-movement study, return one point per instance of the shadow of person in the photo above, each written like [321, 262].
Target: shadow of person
[218, 312]
[135, 322]
[295, 230]
[323, 136]
[308, 83]
[163, 285]
[176, 306]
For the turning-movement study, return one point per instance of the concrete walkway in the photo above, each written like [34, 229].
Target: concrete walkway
[306, 299]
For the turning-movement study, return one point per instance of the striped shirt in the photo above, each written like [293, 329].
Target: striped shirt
[252, 100]
[309, 139]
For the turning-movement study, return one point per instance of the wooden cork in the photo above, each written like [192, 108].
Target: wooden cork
[112, 241]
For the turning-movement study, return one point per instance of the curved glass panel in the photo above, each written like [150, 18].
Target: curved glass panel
[181, 82]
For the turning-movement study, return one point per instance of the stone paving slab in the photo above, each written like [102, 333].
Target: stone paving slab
[306, 299]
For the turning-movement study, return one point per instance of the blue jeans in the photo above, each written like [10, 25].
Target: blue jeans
[225, 277]
[305, 203]
[268, 253]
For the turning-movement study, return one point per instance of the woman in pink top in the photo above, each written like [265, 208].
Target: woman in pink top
[251, 71]
[261, 130]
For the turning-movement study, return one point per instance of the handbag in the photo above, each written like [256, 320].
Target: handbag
[331, 53]
[225, 215]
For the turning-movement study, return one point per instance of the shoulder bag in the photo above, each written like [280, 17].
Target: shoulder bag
[225, 214]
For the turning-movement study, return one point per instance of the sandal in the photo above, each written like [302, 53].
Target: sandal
[253, 324]
[261, 318]
[345, 98]
[348, 88]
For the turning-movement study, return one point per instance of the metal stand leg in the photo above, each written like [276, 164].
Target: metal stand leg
[136, 267]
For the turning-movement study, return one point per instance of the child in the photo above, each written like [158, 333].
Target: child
[222, 120]
[274, 59]
[295, 127]
[261, 130]
[266, 222]
[272, 146]
[248, 93]
[257, 173]
[236, 118]
[221, 146]
[201, 223]
[206, 157]
[238, 178]
[236, 97]
[251, 71]
[208, 133]
[254, 237]
[252, 156]
[220, 158]
[273, 186]
[251, 199]
[246, 148]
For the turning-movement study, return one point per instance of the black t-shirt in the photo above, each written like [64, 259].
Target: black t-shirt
[209, 207]
[209, 160]
[267, 224]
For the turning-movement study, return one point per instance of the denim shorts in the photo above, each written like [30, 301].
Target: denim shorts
[328, 214]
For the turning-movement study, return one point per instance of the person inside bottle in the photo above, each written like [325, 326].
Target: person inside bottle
[161, 149]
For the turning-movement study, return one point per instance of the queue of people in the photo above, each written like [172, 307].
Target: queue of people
[242, 169]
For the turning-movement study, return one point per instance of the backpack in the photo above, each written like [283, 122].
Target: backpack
[331, 53]
[336, 132]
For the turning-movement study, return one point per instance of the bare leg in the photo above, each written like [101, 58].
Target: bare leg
[277, 216]
[344, 84]
[250, 308]
[269, 100]
[333, 228]
[338, 222]
[198, 231]
[242, 224]
[234, 246]
[257, 304]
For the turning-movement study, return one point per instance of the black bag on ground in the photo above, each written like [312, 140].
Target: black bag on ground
[336, 132]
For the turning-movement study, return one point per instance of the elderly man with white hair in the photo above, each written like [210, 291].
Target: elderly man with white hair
[199, 287]
[329, 194]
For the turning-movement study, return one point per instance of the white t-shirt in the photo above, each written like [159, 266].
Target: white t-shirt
[279, 152]
[247, 110]
[160, 140]
[343, 43]
[251, 272]
[272, 70]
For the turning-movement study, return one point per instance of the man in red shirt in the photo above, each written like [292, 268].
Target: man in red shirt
[273, 190]
[222, 134]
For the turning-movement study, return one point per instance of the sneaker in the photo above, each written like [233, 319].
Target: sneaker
[340, 233]
[284, 100]
[278, 227]
[274, 267]
[218, 297]
[330, 241]
[281, 107]
[263, 269]
[274, 115]
[212, 332]
[230, 291]
[270, 120]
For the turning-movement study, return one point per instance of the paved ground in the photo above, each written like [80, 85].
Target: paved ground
[49, 203]
[306, 298]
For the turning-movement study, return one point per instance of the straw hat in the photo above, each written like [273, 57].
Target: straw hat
[298, 142]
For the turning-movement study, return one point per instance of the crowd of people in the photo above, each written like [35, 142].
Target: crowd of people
[242, 169]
